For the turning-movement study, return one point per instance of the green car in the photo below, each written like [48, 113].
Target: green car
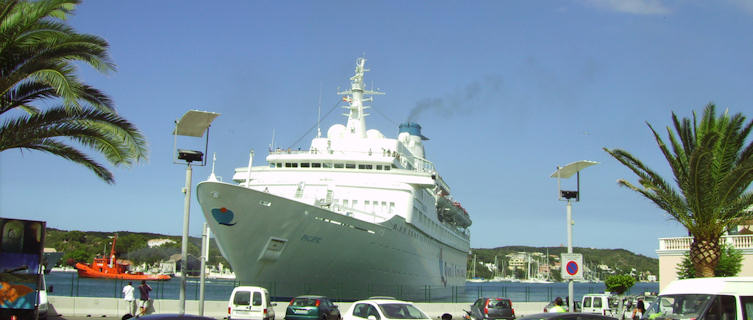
[312, 308]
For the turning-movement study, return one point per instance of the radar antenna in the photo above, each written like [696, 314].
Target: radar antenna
[355, 99]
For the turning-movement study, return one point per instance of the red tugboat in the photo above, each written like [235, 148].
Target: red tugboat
[111, 269]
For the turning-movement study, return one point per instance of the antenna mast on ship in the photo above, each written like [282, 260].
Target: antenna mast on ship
[112, 251]
[356, 117]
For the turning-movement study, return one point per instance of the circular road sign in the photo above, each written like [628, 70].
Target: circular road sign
[572, 268]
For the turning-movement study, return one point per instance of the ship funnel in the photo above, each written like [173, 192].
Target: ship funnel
[410, 136]
[412, 128]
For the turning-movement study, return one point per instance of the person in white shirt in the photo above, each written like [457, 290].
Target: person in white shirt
[129, 299]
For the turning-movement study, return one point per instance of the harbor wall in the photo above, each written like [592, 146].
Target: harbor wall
[114, 307]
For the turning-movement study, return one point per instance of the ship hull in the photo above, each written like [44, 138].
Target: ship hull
[293, 248]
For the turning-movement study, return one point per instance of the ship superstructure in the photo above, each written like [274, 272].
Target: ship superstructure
[357, 214]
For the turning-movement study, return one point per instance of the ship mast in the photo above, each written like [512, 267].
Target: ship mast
[356, 117]
[112, 251]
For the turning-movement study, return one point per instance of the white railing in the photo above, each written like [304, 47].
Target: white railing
[408, 161]
[683, 243]
[677, 243]
[741, 241]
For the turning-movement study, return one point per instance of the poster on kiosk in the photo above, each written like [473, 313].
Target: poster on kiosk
[21, 245]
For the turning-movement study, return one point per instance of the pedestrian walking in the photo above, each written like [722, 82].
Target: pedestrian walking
[145, 302]
[558, 306]
[129, 299]
[639, 310]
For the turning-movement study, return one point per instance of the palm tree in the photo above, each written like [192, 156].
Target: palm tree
[37, 56]
[712, 167]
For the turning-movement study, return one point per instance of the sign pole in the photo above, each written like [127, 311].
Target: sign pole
[570, 250]
[573, 269]
[184, 242]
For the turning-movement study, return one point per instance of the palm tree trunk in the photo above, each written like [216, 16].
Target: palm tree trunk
[705, 256]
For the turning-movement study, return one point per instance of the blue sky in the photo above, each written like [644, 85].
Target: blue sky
[505, 90]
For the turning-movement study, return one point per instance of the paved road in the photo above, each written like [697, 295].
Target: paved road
[85, 318]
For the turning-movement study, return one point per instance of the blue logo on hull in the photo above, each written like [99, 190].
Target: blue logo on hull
[223, 216]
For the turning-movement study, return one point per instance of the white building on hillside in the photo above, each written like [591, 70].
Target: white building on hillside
[158, 242]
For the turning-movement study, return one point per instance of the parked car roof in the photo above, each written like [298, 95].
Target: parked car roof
[566, 316]
[311, 296]
[386, 307]
[710, 286]
[173, 316]
[384, 300]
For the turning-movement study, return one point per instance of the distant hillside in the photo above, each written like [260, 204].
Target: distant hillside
[82, 246]
[620, 261]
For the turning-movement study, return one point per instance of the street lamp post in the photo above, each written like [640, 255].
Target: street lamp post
[567, 172]
[192, 124]
[204, 258]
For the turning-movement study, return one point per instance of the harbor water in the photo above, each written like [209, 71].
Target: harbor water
[69, 284]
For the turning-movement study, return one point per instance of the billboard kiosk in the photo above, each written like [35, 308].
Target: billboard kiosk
[21, 245]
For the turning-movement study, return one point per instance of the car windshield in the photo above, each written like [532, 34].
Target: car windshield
[678, 307]
[401, 311]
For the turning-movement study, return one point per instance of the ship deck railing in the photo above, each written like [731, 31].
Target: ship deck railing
[400, 160]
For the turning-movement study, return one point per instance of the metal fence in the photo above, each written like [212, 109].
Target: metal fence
[69, 284]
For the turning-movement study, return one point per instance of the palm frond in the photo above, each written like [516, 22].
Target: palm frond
[24, 93]
[64, 151]
[747, 152]
[107, 133]
[678, 161]
[712, 167]
[699, 190]
[39, 54]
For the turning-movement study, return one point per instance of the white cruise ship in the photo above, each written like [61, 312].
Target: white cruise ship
[356, 215]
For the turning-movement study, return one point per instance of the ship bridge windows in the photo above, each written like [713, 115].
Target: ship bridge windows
[316, 165]
[350, 166]
[305, 165]
[339, 165]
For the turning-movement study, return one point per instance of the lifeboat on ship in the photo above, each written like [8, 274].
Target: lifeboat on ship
[452, 212]
[110, 268]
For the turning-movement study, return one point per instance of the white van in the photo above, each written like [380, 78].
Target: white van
[251, 303]
[43, 305]
[599, 303]
[705, 298]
